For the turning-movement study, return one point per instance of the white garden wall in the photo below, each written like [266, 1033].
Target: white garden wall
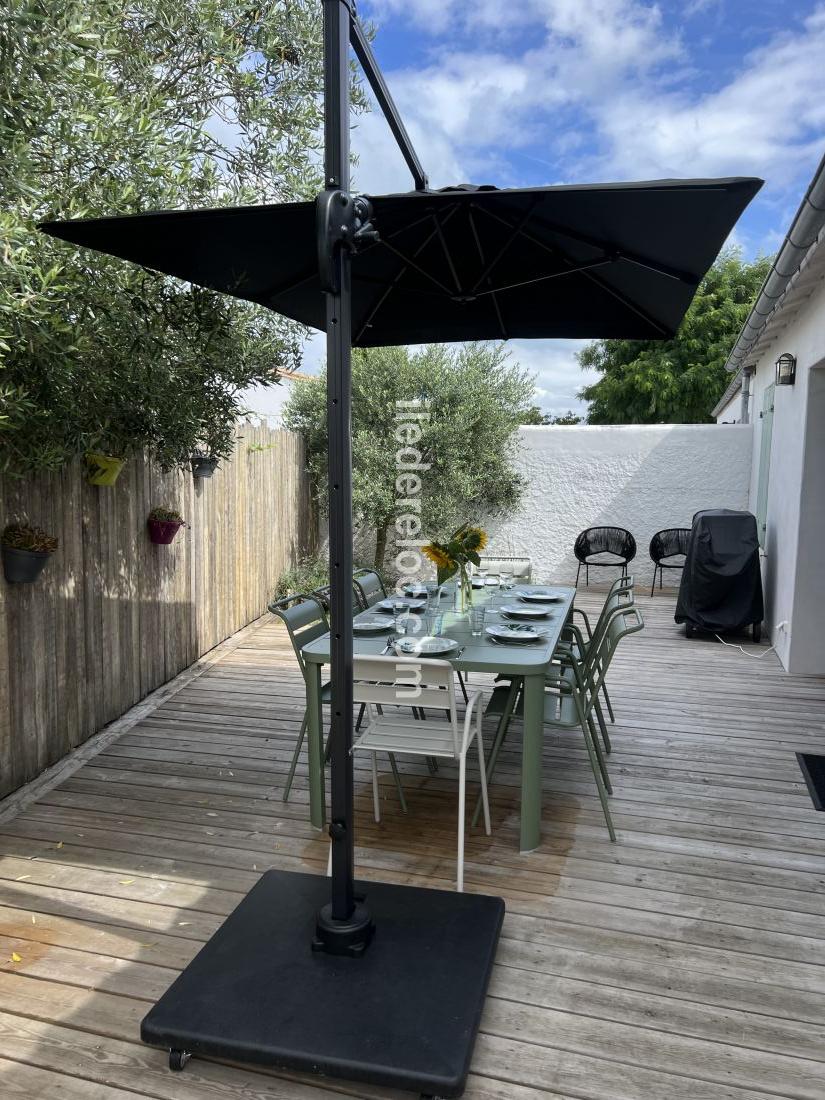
[642, 477]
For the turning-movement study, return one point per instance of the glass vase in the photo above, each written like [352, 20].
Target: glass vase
[463, 591]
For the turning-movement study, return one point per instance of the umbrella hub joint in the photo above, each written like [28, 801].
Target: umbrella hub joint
[343, 221]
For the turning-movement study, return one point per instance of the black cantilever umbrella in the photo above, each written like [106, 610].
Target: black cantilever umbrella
[393, 989]
[597, 260]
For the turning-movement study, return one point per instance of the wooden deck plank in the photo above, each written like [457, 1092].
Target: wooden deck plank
[682, 962]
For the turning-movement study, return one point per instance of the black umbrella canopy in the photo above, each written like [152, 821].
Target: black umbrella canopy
[618, 260]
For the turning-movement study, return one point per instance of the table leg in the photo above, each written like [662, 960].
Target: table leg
[531, 762]
[315, 747]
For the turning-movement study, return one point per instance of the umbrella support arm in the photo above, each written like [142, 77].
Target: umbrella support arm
[363, 51]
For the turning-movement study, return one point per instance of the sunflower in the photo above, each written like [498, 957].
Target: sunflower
[438, 556]
[475, 538]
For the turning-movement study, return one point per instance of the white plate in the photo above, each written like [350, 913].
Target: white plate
[367, 626]
[425, 647]
[515, 634]
[409, 604]
[419, 590]
[545, 595]
[519, 611]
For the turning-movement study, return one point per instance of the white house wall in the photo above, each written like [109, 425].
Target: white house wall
[641, 477]
[794, 435]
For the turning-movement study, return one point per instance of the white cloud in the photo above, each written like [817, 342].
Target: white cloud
[557, 372]
[605, 89]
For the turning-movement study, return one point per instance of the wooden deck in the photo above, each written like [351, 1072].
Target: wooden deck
[685, 962]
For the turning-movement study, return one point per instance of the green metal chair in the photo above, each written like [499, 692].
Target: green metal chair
[369, 587]
[572, 700]
[305, 619]
[619, 595]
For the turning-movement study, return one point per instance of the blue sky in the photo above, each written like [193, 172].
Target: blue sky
[532, 92]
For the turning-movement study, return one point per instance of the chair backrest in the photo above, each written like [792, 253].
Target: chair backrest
[406, 682]
[369, 586]
[669, 542]
[520, 567]
[620, 595]
[305, 620]
[322, 595]
[622, 621]
[605, 540]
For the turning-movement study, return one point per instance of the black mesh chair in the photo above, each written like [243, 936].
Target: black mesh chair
[602, 547]
[668, 544]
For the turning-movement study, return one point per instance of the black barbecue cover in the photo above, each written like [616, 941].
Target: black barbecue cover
[721, 585]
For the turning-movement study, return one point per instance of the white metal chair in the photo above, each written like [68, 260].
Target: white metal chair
[419, 682]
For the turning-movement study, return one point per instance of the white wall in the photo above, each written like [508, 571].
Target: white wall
[796, 461]
[641, 477]
[732, 412]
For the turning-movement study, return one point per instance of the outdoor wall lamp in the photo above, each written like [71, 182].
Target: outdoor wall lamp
[786, 369]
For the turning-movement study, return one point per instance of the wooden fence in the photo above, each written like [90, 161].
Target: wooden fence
[114, 616]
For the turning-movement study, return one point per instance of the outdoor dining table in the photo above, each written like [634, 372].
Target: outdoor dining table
[476, 654]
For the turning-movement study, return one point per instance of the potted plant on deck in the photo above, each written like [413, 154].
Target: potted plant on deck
[163, 525]
[26, 550]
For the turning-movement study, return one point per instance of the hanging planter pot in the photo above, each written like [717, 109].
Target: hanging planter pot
[102, 469]
[26, 550]
[203, 465]
[163, 525]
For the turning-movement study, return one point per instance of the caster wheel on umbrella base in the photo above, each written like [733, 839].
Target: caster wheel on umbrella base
[689, 631]
[757, 632]
[178, 1059]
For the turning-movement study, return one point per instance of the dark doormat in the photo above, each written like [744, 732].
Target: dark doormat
[813, 768]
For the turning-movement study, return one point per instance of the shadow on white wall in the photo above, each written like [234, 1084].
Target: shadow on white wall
[640, 477]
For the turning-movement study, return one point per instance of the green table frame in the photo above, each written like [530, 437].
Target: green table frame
[479, 654]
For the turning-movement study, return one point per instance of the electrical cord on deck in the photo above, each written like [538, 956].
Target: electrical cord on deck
[733, 645]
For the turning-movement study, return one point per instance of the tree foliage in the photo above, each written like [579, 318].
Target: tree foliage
[115, 107]
[676, 381]
[475, 398]
[536, 416]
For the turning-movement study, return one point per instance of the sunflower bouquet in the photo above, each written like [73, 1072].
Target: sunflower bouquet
[455, 555]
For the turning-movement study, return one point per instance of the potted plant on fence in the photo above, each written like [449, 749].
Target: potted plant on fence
[26, 550]
[203, 464]
[163, 525]
[102, 469]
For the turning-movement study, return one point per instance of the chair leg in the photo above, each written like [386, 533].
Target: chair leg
[600, 756]
[498, 740]
[485, 797]
[432, 765]
[462, 792]
[653, 586]
[398, 786]
[587, 575]
[577, 574]
[602, 726]
[376, 806]
[295, 755]
[463, 687]
[609, 704]
[597, 773]
[360, 716]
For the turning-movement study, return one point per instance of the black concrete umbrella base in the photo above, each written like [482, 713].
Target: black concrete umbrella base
[404, 1014]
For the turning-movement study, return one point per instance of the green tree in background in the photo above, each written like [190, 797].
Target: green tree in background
[475, 398]
[535, 415]
[676, 381]
[109, 107]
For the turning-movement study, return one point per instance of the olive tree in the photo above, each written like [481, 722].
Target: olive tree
[108, 107]
[472, 400]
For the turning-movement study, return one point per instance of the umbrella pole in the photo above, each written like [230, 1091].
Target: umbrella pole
[343, 926]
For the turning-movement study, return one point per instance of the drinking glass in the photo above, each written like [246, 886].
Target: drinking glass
[505, 581]
[477, 616]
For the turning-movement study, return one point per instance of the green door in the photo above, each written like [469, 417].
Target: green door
[764, 464]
